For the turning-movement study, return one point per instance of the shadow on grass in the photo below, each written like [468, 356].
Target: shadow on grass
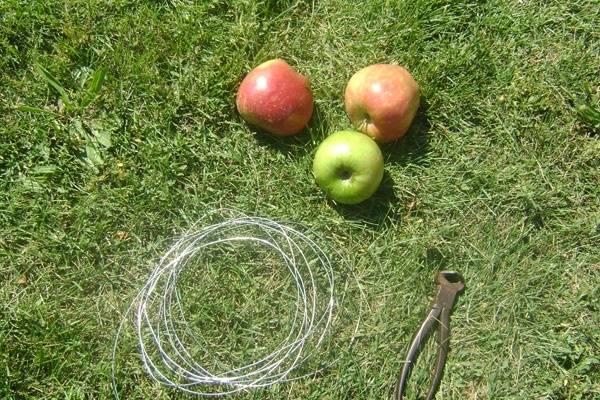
[375, 209]
[298, 144]
[413, 148]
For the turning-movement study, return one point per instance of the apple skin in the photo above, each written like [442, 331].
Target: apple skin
[348, 166]
[382, 100]
[275, 98]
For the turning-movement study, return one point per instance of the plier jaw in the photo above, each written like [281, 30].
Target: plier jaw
[450, 284]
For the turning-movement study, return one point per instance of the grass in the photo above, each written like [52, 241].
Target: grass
[499, 178]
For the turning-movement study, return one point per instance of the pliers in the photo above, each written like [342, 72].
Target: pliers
[450, 283]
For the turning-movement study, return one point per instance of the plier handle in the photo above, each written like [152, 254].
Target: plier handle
[450, 283]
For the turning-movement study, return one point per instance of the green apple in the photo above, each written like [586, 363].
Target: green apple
[348, 166]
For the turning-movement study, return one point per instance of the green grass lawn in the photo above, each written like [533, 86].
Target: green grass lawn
[498, 178]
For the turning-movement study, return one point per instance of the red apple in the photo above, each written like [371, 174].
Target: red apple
[382, 100]
[276, 98]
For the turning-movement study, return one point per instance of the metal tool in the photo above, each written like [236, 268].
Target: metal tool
[450, 283]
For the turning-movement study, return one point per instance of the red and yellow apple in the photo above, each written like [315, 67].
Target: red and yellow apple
[275, 98]
[382, 100]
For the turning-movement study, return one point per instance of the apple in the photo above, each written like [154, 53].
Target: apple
[348, 166]
[382, 100]
[276, 98]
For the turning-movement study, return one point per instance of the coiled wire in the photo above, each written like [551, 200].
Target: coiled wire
[162, 333]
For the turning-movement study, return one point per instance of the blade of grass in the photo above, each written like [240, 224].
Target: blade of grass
[93, 155]
[52, 81]
[94, 87]
[588, 114]
[38, 110]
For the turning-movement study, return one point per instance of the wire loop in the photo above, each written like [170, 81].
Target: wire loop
[163, 334]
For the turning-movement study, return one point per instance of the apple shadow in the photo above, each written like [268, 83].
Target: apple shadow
[295, 145]
[374, 210]
[414, 147]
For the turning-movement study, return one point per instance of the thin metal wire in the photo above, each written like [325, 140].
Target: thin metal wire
[162, 331]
